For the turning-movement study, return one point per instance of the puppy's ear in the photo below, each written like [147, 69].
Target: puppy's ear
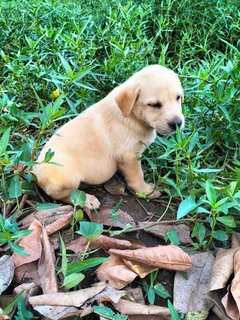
[126, 98]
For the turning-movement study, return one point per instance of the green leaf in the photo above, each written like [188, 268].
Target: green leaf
[23, 313]
[186, 206]
[78, 215]
[199, 231]
[46, 206]
[18, 249]
[193, 142]
[64, 257]
[66, 66]
[90, 230]
[207, 170]
[15, 190]
[227, 221]
[83, 265]
[220, 235]
[173, 312]
[48, 156]
[12, 304]
[172, 236]
[161, 291]
[104, 312]
[78, 198]
[20, 234]
[72, 280]
[4, 141]
[151, 295]
[211, 193]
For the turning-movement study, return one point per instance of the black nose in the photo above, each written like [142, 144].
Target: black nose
[175, 123]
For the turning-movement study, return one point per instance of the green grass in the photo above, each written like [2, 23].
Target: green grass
[84, 49]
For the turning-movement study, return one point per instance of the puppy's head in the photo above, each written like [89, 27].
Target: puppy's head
[153, 96]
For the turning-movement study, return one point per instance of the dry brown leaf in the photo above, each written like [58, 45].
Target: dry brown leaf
[57, 312]
[46, 266]
[6, 272]
[115, 186]
[27, 273]
[26, 289]
[190, 295]
[105, 217]
[147, 317]
[132, 308]
[32, 245]
[142, 270]
[183, 231]
[169, 257]
[222, 269]
[115, 272]
[59, 224]
[135, 294]
[231, 301]
[68, 299]
[78, 245]
[46, 217]
[109, 294]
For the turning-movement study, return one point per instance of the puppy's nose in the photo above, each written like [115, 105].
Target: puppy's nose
[175, 123]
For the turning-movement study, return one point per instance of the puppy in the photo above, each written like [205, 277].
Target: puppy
[112, 134]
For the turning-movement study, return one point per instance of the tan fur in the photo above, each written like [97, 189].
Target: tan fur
[111, 135]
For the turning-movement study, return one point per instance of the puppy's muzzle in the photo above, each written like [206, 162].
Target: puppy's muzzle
[176, 122]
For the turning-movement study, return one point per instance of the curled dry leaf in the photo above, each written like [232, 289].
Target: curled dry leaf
[231, 301]
[46, 217]
[27, 273]
[32, 245]
[159, 230]
[73, 298]
[26, 289]
[190, 295]
[169, 257]
[115, 272]
[57, 312]
[109, 294]
[46, 266]
[6, 272]
[135, 294]
[132, 308]
[222, 269]
[105, 216]
[59, 224]
[78, 245]
[142, 270]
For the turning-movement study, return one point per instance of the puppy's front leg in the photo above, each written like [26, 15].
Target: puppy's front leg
[132, 171]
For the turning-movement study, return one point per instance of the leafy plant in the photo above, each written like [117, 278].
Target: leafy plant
[154, 289]
[9, 232]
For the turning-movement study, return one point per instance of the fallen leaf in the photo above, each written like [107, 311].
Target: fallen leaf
[108, 217]
[86, 311]
[190, 295]
[148, 317]
[72, 298]
[231, 300]
[169, 257]
[141, 270]
[59, 224]
[6, 272]
[222, 269]
[109, 294]
[132, 308]
[27, 273]
[136, 294]
[26, 289]
[78, 245]
[31, 244]
[115, 186]
[115, 272]
[182, 230]
[46, 266]
[57, 312]
[46, 217]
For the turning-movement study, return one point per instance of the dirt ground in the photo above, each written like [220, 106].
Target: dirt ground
[142, 210]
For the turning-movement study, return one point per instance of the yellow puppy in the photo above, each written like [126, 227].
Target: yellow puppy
[112, 134]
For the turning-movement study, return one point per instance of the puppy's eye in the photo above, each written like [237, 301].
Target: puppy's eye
[178, 98]
[155, 105]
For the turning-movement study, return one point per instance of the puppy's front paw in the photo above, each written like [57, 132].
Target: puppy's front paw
[91, 202]
[150, 191]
